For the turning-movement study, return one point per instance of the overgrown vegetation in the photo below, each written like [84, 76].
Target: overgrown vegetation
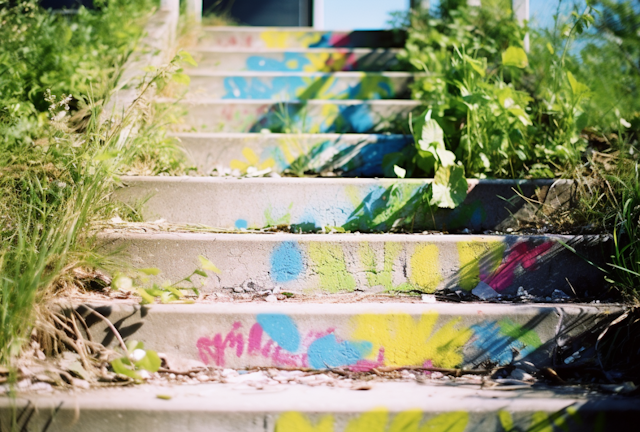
[59, 155]
[570, 108]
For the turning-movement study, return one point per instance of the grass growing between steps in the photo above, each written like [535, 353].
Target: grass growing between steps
[58, 161]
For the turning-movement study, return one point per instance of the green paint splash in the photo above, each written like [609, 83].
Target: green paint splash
[330, 265]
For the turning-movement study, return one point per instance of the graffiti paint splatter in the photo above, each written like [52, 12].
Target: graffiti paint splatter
[286, 262]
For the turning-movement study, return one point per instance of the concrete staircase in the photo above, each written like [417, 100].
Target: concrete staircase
[310, 297]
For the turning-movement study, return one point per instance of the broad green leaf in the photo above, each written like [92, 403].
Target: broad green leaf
[449, 187]
[150, 362]
[431, 133]
[120, 368]
[521, 115]
[577, 88]
[150, 271]
[446, 157]
[181, 78]
[133, 345]
[515, 56]
[399, 171]
[208, 265]
[426, 160]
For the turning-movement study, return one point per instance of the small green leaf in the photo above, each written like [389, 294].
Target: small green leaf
[176, 292]
[181, 78]
[515, 56]
[122, 283]
[186, 58]
[150, 362]
[577, 88]
[550, 48]
[146, 297]
[163, 397]
[399, 171]
[200, 273]
[449, 187]
[119, 367]
[153, 271]
[208, 265]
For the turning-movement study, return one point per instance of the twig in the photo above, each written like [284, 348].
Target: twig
[111, 326]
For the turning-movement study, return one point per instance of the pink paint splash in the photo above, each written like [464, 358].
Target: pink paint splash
[231, 340]
[367, 365]
[521, 254]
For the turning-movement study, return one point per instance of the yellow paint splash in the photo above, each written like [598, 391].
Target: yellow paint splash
[297, 422]
[372, 421]
[282, 39]
[425, 268]
[377, 421]
[252, 161]
[476, 254]
[410, 342]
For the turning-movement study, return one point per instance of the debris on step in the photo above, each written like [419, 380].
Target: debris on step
[484, 291]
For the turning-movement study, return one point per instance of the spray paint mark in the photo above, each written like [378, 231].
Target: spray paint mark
[282, 329]
[241, 224]
[286, 262]
[408, 341]
[330, 265]
[327, 352]
[522, 255]
[425, 267]
[501, 341]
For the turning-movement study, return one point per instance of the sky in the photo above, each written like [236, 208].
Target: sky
[374, 14]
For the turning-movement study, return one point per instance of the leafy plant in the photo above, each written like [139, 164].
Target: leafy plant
[136, 362]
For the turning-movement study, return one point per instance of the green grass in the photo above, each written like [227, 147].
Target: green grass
[58, 161]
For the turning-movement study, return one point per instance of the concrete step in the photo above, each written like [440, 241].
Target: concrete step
[350, 155]
[297, 37]
[296, 60]
[358, 336]
[387, 406]
[313, 116]
[339, 263]
[299, 85]
[311, 204]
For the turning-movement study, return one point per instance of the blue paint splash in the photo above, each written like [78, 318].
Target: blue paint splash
[496, 346]
[326, 352]
[241, 224]
[286, 262]
[281, 329]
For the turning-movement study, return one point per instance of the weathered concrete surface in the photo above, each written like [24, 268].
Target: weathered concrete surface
[283, 86]
[297, 37]
[314, 116]
[335, 263]
[295, 60]
[286, 408]
[310, 204]
[358, 336]
[350, 155]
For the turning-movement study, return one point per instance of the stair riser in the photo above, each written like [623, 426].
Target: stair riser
[272, 38]
[309, 205]
[356, 336]
[317, 263]
[310, 117]
[301, 87]
[300, 61]
[349, 155]
[206, 408]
